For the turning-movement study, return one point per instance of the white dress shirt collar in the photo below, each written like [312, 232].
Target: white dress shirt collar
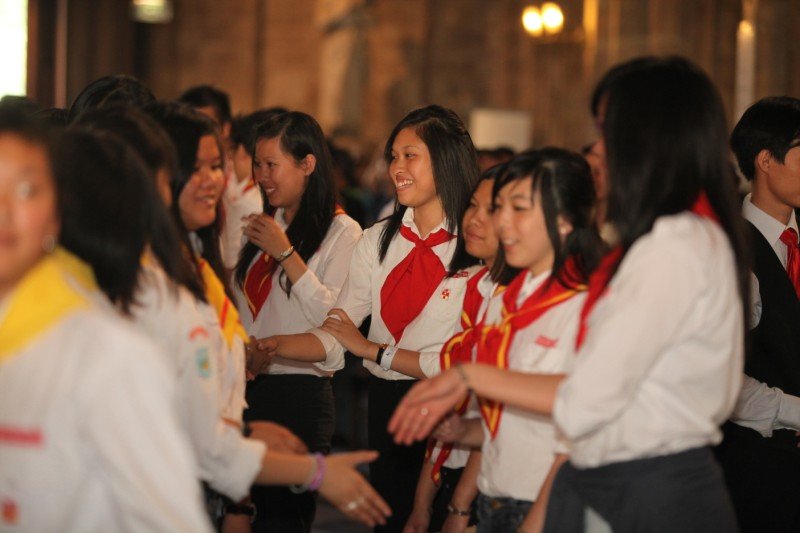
[769, 227]
[531, 284]
[408, 220]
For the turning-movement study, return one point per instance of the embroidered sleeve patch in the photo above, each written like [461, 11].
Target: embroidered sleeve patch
[546, 342]
[203, 362]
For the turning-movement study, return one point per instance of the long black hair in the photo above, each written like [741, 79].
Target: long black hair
[299, 135]
[564, 182]
[109, 201]
[455, 172]
[186, 127]
[666, 143]
[168, 242]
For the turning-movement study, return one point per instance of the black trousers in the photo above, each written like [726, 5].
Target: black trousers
[304, 404]
[763, 477]
[396, 471]
[680, 492]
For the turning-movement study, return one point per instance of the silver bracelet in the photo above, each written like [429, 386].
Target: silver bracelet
[284, 254]
[388, 355]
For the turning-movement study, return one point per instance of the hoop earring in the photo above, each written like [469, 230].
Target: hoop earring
[49, 243]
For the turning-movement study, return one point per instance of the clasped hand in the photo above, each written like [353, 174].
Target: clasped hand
[264, 232]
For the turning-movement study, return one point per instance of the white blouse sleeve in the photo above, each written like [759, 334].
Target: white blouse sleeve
[317, 293]
[658, 289]
[355, 298]
[764, 408]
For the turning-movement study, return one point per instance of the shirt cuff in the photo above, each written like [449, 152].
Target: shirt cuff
[429, 363]
[789, 412]
[334, 352]
[242, 469]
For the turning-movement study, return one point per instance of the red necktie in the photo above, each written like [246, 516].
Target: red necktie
[411, 283]
[789, 238]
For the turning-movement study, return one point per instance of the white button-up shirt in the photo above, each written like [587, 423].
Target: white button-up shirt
[661, 366]
[516, 462]
[311, 297]
[361, 296]
[171, 318]
[103, 449]
[761, 407]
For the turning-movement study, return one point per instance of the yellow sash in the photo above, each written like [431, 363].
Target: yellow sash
[40, 301]
[226, 311]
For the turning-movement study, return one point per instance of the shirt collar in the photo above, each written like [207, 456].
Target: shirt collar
[408, 220]
[531, 284]
[770, 228]
[486, 286]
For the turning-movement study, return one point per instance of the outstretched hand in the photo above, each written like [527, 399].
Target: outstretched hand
[424, 406]
[345, 488]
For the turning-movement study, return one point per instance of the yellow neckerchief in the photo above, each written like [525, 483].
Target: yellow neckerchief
[42, 299]
[226, 311]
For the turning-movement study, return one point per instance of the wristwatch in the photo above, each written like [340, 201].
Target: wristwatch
[247, 509]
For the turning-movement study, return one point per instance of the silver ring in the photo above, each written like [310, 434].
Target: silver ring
[424, 411]
[351, 506]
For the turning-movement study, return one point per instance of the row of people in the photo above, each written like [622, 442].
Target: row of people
[591, 377]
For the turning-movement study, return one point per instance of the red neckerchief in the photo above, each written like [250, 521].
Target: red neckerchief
[495, 340]
[459, 350]
[410, 284]
[258, 280]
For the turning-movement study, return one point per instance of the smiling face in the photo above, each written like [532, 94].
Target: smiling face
[520, 226]
[28, 214]
[198, 199]
[479, 235]
[282, 179]
[411, 171]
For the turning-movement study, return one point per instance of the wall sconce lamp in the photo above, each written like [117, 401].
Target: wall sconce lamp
[545, 20]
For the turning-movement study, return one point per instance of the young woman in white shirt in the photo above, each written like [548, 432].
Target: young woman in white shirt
[289, 275]
[660, 346]
[89, 439]
[98, 223]
[196, 192]
[544, 218]
[447, 483]
[405, 272]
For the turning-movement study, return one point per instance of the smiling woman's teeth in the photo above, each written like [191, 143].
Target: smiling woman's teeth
[402, 184]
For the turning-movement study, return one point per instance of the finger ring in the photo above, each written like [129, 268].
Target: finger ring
[424, 411]
[351, 506]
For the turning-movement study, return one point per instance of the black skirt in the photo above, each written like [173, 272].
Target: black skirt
[395, 472]
[304, 404]
[681, 492]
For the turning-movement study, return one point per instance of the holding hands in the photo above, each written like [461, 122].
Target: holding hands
[346, 332]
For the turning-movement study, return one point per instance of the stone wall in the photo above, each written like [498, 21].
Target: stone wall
[359, 65]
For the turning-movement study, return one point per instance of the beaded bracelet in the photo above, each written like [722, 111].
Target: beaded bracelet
[315, 479]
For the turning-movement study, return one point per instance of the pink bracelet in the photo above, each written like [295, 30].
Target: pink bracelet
[315, 481]
[319, 475]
